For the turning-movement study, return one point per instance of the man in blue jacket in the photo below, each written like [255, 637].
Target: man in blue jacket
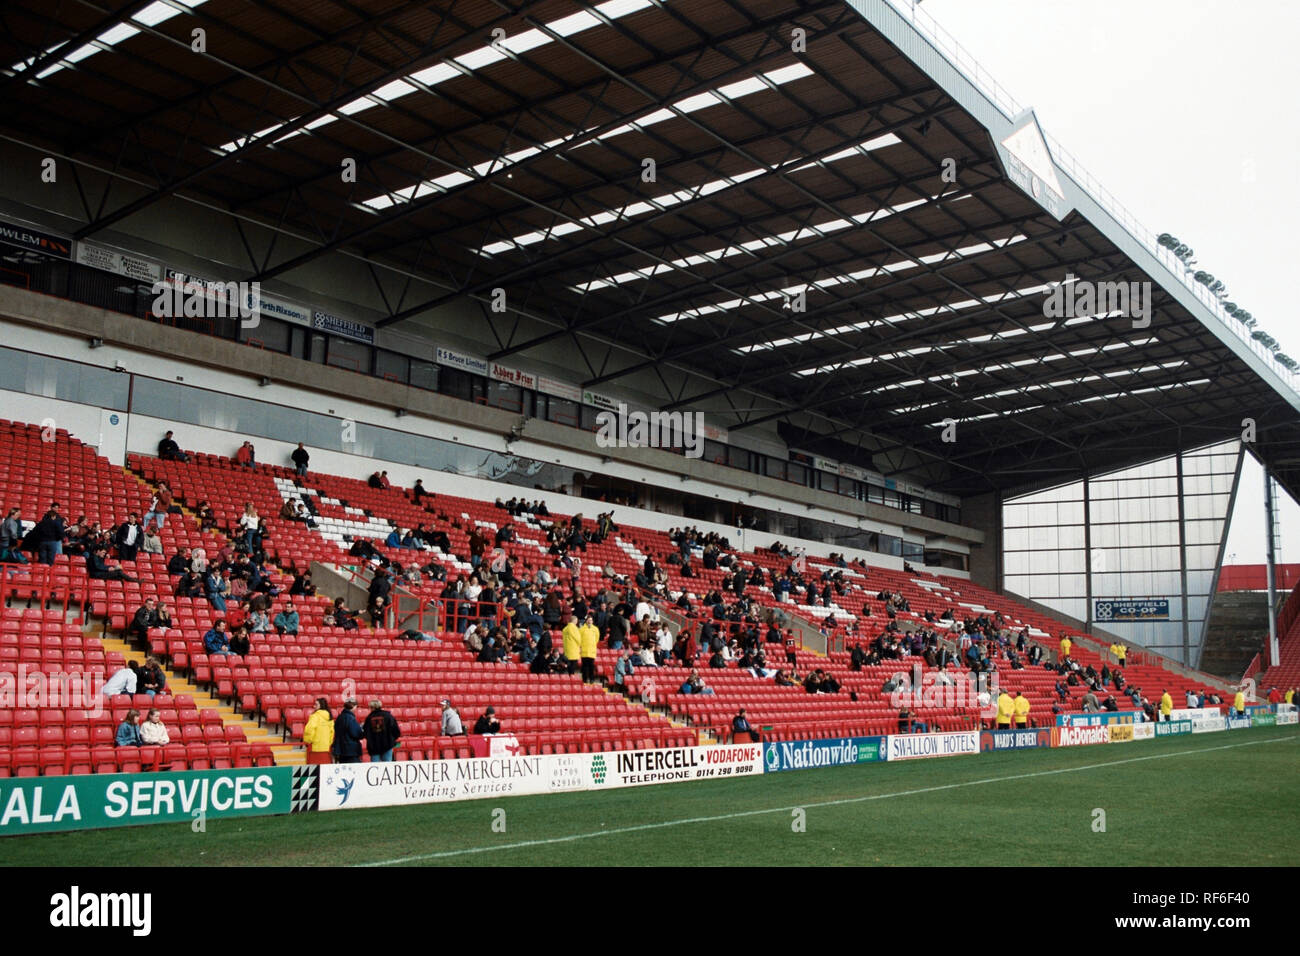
[216, 641]
[286, 622]
[347, 735]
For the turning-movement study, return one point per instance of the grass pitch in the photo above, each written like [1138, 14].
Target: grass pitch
[1213, 799]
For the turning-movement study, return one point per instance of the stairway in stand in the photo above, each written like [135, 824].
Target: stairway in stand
[285, 754]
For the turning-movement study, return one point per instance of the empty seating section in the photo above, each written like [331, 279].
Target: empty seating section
[279, 680]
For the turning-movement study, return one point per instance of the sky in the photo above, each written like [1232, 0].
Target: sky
[1184, 110]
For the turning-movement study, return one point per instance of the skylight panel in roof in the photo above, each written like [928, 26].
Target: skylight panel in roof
[150, 16]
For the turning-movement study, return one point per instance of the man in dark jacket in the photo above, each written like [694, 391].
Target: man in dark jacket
[128, 538]
[381, 585]
[48, 537]
[488, 723]
[300, 458]
[168, 450]
[382, 732]
[97, 567]
[347, 735]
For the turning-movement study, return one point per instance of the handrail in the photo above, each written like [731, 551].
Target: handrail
[966, 64]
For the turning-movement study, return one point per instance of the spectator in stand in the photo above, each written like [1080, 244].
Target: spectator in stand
[246, 456]
[150, 543]
[48, 535]
[11, 538]
[318, 735]
[381, 732]
[1090, 704]
[98, 568]
[302, 585]
[694, 684]
[216, 585]
[145, 617]
[207, 517]
[740, 725]
[217, 640]
[487, 722]
[286, 622]
[378, 612]
[153, 732]
[419, 491]
[300, 457]
[624, 667]
[347, 734]
[124, 681]
[248, 524]
[240, 643]
[168, 450]
[451, 725]
[340, 616]
[160, 506]
[128, 732]
[151, 679]
[190, 585]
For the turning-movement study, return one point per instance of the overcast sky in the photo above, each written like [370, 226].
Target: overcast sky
[1185, 110]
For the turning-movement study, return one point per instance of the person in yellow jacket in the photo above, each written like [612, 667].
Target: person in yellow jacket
[1121, 654]
[1022, 710]
[1166, 706]
[572, 643]
[1066, 644]
[1006, 707]
[1290, 696]
[590, 637]
[318, 735]
[1239, 702]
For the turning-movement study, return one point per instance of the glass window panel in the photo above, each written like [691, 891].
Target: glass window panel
[353, 356]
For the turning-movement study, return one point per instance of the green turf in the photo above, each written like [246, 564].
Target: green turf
[1205, 800]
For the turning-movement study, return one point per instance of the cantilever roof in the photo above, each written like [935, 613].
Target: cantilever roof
[781, 179]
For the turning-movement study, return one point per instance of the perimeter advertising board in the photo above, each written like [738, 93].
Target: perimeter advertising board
[84, 802]
[348, 785]
[1015, 739]
[1080, 736]
[633, 768]
[912, 746]
[837, 752]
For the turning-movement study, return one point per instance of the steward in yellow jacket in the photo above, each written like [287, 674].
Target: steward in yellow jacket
[318, 735]
[572, 643]
[1006, 707]
[589, 636]
[1022, 710]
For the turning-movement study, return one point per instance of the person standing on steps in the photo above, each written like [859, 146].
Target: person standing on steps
[300, 458]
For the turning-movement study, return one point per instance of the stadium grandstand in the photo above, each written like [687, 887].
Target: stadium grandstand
[586, 379]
